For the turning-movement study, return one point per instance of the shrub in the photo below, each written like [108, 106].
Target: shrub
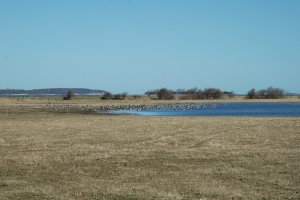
[124, 95]
[116, 97]
[192, 91]
[165, 94]
[212, 93]
[270, 93]
[200, 94]
[251, 94]
[106, 96]
[231, 94]
[136, 96]
[69, 95]
[261, 94]
[275, 93]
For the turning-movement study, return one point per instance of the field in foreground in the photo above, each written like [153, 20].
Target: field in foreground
[47, 155]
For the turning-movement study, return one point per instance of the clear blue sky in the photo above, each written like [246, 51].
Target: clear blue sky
[137, 45]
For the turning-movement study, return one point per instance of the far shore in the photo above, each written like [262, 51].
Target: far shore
[95, 100]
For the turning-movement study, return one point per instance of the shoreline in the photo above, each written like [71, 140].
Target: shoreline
[142, 99]
[107, 107]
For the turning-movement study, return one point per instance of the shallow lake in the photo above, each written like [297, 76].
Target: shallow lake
[224, 109]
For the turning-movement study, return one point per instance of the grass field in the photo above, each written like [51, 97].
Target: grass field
[82, 155]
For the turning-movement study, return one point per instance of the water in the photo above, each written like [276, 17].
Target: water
[225, 109]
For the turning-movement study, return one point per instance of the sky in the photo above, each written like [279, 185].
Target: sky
[136, 45]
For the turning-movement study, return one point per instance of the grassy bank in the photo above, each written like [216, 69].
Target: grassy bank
[47, 155]
[132, 100]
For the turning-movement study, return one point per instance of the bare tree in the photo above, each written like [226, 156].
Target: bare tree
[200, 94]
[262, 93]
[116, 97]
[192, 91]
[124, 95]
[106, 96]
[231, 94]
[274, 93]
[270, 93]
[251, 94]
[180, 91]
[69, 95]
[195, 93]
[213, 93]
[165, 94]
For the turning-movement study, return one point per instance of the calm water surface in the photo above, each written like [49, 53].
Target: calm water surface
[226, 109]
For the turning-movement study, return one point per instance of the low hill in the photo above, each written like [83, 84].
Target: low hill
[77, 91]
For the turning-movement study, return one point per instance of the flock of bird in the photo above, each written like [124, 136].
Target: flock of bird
[143, 107]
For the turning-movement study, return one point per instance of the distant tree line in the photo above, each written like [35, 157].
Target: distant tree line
[270, 93]
[161, 94]
[190, 94]
[207, 93]
[193, 94]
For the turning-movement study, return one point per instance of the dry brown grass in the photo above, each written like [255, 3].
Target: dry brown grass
[47, 155]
